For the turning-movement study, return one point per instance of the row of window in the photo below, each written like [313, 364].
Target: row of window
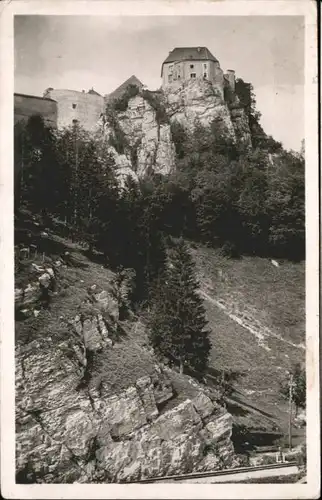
[192, 75]
[172, 77]
[191, 67]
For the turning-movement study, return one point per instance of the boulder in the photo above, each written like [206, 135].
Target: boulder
[31, 294]
[45, 280]
[108, 304]
[145, 390]
[203, 405]
[122, 413]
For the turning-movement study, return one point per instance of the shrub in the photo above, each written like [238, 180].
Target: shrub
[134, 154]
[122, 102]
[179, 137]
[159, 108]
[230, 250]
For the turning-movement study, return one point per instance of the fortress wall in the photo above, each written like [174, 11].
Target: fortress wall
[26, 106]
[81, 106]
[211, 68]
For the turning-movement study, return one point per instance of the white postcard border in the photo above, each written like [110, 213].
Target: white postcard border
[306, 8]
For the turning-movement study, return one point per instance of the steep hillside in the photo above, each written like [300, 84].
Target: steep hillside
[92, 403]
[256, 313]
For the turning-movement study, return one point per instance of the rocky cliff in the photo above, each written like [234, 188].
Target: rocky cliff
[94, 406]
[147, 137]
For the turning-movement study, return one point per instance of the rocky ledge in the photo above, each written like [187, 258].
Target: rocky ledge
[76, 421]
[68, 434]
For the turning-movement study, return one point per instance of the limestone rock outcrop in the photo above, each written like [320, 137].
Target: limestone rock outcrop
[149, 144]
[200, 100]
[28, 296]
[152, 139]
[68, 431]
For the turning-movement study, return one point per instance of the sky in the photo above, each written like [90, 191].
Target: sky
[81, 52]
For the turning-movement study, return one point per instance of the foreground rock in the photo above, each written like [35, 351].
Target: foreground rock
[71, 429]
[93, 407]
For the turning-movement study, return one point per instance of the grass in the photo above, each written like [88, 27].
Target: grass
[275, 295]
[270, 297]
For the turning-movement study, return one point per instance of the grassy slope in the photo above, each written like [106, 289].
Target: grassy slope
[115, 368]
[274, 298]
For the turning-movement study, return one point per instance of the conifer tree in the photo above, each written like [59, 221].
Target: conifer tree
[177, 322]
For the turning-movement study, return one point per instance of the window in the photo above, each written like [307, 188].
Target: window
[75, 122]
[205, 75]
[191, 66]
[192, 75]
[205, 65]
[170, 78]
[170, 69]
[74, 106]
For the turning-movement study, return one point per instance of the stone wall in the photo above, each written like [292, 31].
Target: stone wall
[26, 106]
[81, 106]
[181, 71]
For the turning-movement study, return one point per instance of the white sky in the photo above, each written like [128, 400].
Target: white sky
[80, 52]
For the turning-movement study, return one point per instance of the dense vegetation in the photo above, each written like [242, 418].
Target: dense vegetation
[297, 381]
[177, 320]
[244, 200]
[250, 201]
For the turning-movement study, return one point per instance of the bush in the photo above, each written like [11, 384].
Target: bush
[230, 250]
[122, 102]
[179, 137]
[117, 139]
[134, 154]
[155, 102]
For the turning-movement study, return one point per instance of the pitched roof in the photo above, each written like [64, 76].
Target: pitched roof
[133, 80]
[93, 92]
[34, 97]
[186, 53]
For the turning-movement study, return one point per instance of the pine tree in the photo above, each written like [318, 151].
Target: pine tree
[299, 386]
[177, 322]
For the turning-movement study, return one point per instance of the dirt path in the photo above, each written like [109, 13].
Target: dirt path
[260, 336]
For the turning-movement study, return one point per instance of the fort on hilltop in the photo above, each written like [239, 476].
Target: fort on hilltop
[189, 63]
[64, 107]
[83, 108]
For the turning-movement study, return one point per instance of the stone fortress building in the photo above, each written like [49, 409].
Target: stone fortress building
[73, 107]
[189, 63]
[64, 108]
[26, 106]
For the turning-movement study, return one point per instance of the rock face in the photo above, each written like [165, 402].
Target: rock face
[198, 100]
[71, 430]
[152, 140]
[202, 101]
[241, 126]
[149, 141]
[26, 298]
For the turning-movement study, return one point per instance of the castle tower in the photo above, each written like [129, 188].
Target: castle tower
[230, 76]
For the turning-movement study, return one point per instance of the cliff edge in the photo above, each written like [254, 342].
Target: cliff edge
[92, 402]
